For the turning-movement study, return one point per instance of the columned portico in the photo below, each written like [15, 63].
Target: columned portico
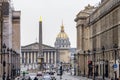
[29, 56]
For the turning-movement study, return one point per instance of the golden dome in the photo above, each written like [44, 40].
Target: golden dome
[62, 34]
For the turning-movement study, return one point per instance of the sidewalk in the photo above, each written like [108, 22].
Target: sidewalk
[101, 78]
[79, 77]
[85, 78]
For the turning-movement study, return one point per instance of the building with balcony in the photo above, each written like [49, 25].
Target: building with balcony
[97, 32]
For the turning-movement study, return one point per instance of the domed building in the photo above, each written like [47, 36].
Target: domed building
[62, 40]
[62, 43]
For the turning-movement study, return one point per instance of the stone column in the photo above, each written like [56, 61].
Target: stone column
[52, 57]
[31, 57]
[45, 57]
[24, 57]
[55, 59]
[34, 60]
[27, 58]
[48, 57]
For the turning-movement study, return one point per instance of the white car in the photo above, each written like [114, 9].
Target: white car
[47, 77]
[32, 75]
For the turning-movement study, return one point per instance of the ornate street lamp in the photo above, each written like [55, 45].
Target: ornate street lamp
[78, 64]
[94, 52]
[103, 50]
[4, 62]
[15, 58]
[8, 62]
[84, 63]
[115, 47]
[88, 62]
[74, 64]
[11, 52]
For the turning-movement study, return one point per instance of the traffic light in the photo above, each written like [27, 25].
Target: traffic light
[4, 63]
[89, 64]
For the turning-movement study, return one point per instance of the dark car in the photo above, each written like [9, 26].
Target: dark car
[51, 73]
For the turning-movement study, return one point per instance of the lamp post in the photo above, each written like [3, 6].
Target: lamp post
[94, 52]
[8, 62]
[88, 62]
[103, 50]
[14, 64]
[115, 47]
[78, 64]
[15, 55]
[1, 23]
[88, 53]
[74, 64]
[84, 63]
[61, 70]
[11, 52]
[4, 62]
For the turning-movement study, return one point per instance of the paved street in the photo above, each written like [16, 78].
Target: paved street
[68, 76]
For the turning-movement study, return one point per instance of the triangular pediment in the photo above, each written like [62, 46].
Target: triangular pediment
[36, 46]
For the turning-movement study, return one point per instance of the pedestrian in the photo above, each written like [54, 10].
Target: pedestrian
[18, 79]
[29, 78]
[35, 78]
[8, 78]
[23, 78]
[3, 77]
[112, 78]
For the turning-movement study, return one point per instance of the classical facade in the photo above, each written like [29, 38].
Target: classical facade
[9, 40]
[62, 43]
[29, 56]
[83, 39]
[97, 32]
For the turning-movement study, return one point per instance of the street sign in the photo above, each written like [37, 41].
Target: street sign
[114, 65]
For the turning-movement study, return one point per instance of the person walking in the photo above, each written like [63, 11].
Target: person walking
[29, 78]
[35, 78]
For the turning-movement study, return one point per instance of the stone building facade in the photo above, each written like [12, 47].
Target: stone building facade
[29, 57]
[100, 28]
[10, 38]
[83, 39]
[62, 43]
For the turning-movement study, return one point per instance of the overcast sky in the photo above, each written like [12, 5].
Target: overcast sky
[52, 12]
